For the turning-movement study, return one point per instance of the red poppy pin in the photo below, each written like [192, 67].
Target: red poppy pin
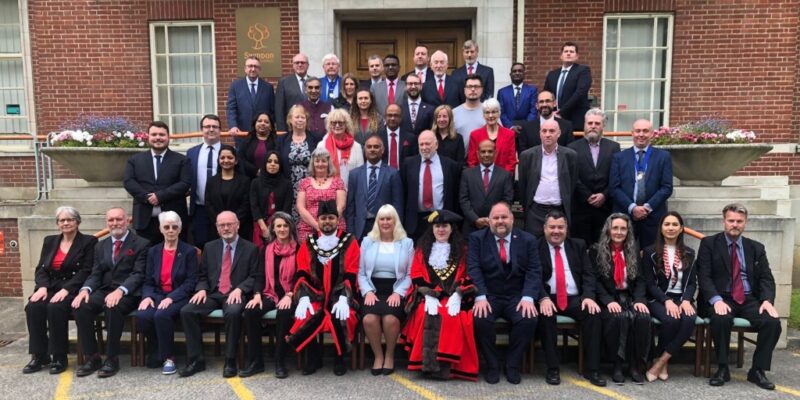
[129, 253]
[406, 144]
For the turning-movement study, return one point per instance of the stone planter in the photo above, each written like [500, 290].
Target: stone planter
[95, 165]
[709, 164]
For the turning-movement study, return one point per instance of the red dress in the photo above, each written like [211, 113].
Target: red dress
[505, 148]
[441, 344]
[315, 196]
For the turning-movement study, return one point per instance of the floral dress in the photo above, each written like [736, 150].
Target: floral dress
[315, 196]
[299, 157]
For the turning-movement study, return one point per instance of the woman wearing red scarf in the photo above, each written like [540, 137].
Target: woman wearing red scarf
[621, 294]
[346, 153]
[273, 290]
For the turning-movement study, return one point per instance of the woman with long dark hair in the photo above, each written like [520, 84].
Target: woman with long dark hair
[347, 96]
[367, 121]
[671, 280]
[227, 191]
[270, 192]
[621, 293]
[259, 141]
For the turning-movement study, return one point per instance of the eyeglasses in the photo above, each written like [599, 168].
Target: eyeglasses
[473, 87]
[65, 220]
[210, 126]
[300, 62]
[491, 112]
[226, 225]
[171, 227]
[338, 123]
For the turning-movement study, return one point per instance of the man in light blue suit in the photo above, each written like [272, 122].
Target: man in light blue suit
[517, 100]
[365, 194]
[248, 97]
[640, 182]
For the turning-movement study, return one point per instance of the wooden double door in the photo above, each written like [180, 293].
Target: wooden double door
[362, 39]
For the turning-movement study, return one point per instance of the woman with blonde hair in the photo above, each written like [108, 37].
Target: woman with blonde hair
[321, 184]
[344, 151]
[451, 144]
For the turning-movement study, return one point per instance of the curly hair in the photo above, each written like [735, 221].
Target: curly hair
[605, 260]
[456, 244]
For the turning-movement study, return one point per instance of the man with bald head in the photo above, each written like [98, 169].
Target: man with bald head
[548, 174]
[641, 182]
[483, 186]
[291, 90]
[399, 144]
[431, 183]
[529, 130]
[442, 89]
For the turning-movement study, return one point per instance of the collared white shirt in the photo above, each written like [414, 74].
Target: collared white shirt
[156, 209]
[300, 82]
[437, 182]
[250, 85]
[572, 288]
[201, 175]
[377, 171]
[548, 191]
[424, 73]
[233, 249]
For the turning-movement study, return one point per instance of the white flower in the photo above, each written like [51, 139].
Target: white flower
[141, 144]
[741, 135]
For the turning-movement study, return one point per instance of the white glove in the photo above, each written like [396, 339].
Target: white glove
[303, 307]
[431, 305]
[341, 309]
[454, 304]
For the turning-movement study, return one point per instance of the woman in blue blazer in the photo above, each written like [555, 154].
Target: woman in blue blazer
[168, 284]
[383, 278]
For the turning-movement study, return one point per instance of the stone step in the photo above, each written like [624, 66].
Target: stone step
[731, 193]
[756, 181]
[715, 206]
[66, 193]
[84, 206]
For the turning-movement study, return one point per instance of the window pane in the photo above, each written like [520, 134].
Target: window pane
[635, 95]
[659, 100]
[625, 120]
[161, 40]
[183, 124]
[207, 45]
[161, 69]
[611, 32]
[11, 73]
[184, 69]
[208, 98]
[9, 39]
[611, 64]
[635, 64]
[208, 69]
[186, 100]
[661, 64]
[662, 34]
[9, 12]
[183, 39]
[637, 32]
[609, 96]
[163, 99]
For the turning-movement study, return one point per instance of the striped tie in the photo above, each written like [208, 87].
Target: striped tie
[372, 188]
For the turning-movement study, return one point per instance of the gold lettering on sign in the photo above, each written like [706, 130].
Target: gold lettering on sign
[258, 33]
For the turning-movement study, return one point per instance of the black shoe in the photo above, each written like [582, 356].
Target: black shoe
[312, 365]
[88, 368]
[251, 369]
[281, 372]
[722, 375]
[595, 379]
[110, 368]
[492, 376]
[36, 364]
[618, 377]
[229, 370]
[387, 371]
[757, 376]
[513, 376]
[376, 371]
[553, 376]
[637, 377]
[339, 368]
[192, 368]
[58, 366]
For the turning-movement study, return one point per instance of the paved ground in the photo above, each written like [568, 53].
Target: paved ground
[356, 384]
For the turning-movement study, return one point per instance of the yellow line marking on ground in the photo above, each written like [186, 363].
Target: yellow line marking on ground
[778, 388]
[64, 383]
[416, 388]
[240, 389]
[605, 392]
[131, 391]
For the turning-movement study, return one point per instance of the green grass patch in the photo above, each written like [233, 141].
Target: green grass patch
[794, 312]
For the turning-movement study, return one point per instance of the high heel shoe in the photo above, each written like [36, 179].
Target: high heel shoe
[650, 377]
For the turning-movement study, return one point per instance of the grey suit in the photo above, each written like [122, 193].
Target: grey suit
[530, 173]
[475, 202]
[289, 93]
[381, 93]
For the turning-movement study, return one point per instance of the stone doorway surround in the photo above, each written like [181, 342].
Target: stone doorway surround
[320, 22]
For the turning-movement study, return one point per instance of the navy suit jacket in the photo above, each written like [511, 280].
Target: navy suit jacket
[184, 273]
[424, 116]
[486, 73]
[241, 108]
[452, 96]
[490, 277]
[174, 182]
[574, 100]
[390, 191]
[657, 181]
[527, 104]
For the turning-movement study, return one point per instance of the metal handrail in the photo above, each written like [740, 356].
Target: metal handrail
[693, 233]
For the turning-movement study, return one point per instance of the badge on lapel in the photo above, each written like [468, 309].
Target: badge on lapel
[406, 144]
[129, 253]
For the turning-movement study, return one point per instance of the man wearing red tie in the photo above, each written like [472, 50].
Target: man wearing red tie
[736, 281]
[568, 288]
[442, 89]
[400, 144]
[228, 271]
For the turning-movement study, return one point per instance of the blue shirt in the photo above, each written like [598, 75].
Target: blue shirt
[742, 267]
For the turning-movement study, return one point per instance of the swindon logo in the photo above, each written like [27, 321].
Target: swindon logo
[258, 33]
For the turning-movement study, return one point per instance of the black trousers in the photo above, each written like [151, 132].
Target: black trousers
[115, 321]
[203, 230]
[627, 334]
[590, 326]
[672, 333]
[768, 328]
[537, 212]
[48, 326]
[252, 319]
[192, 314]
[587, 222]
[522, 332]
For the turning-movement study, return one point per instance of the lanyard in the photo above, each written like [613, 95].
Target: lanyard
[646, 160]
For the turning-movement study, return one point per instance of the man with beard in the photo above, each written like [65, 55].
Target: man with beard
[504, 266]
[317, 108]
[291, 90]
[417, 114]
[369, 187]
[469, 116]
[517, 100]
[327, 265]
[483, 186]
[113, 289]
[392, 89]
[529, 134]
[228, 271]
[592, 204]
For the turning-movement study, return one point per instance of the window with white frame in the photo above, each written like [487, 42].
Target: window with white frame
[184, 73]
[637, 60]
[13, 101]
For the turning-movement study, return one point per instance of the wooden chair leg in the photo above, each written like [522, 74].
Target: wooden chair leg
[362, 348]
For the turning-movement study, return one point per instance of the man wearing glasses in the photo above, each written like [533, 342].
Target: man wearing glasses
[291, 90]
[248, 97]
[317, 108]
[203, 161]
[469, 116]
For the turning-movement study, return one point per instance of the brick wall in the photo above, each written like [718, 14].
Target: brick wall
[17, 171]
[11, 284]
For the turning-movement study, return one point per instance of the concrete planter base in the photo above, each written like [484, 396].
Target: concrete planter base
[709, 164]
[93, 164]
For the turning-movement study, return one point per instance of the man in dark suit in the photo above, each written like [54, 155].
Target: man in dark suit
[471, 66]
[442, 89]
[517, 100]
[430, 182]
[421, 61]
[736, 281]
[529, 130]
[229, 269]
[113, 288]
[567, 289]
[291, 91]
[504, 265]
[158, 180]
[248, 97]
[399, 144]
[571, 83]
[392, 85]
[481, 187]
[369, 187]
[203, 162]
[592, 204]
[331, 82]
[640, 182]
[417, 114]
[549, 175]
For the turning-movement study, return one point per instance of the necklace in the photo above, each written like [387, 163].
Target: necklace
[445, 273]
